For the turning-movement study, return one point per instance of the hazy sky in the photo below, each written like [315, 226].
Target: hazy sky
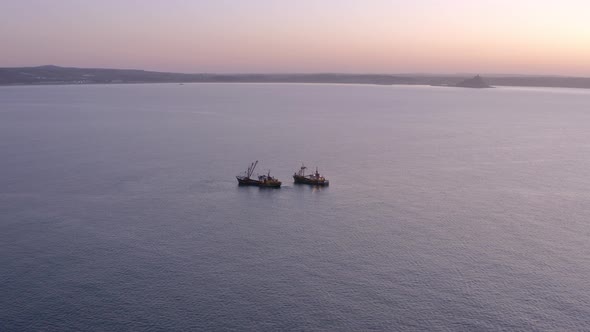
[362, 36]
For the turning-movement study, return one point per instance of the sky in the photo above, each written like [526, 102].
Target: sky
[305, 36]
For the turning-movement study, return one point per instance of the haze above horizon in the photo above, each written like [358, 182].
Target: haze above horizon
[266, 36]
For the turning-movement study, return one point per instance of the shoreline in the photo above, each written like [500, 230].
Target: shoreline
[303, 83]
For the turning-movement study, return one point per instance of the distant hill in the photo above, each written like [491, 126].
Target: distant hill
[66, 75]
[476, 82]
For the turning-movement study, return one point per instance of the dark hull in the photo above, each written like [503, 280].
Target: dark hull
[314, 182]
[256, 183]
[248, 182]
[270, 185]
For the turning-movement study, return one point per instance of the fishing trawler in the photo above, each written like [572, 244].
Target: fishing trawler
[314, 179]
[266, 181]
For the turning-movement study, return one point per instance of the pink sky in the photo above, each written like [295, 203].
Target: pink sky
[368, 36]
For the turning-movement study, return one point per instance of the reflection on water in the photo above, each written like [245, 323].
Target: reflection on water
[309, 187]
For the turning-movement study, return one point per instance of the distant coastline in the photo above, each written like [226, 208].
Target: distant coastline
[54, 75]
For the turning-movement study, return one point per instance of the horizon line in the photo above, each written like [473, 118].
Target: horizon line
[306, 73]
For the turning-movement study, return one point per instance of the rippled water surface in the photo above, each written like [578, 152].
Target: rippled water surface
[448, 209]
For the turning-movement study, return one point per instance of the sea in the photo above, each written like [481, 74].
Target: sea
[448, 209]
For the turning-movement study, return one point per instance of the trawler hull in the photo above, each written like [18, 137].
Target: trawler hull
[305, 180]
[270, 185]
[256, 183]
[248, 182]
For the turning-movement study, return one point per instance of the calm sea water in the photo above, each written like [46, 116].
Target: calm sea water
[448, 209]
